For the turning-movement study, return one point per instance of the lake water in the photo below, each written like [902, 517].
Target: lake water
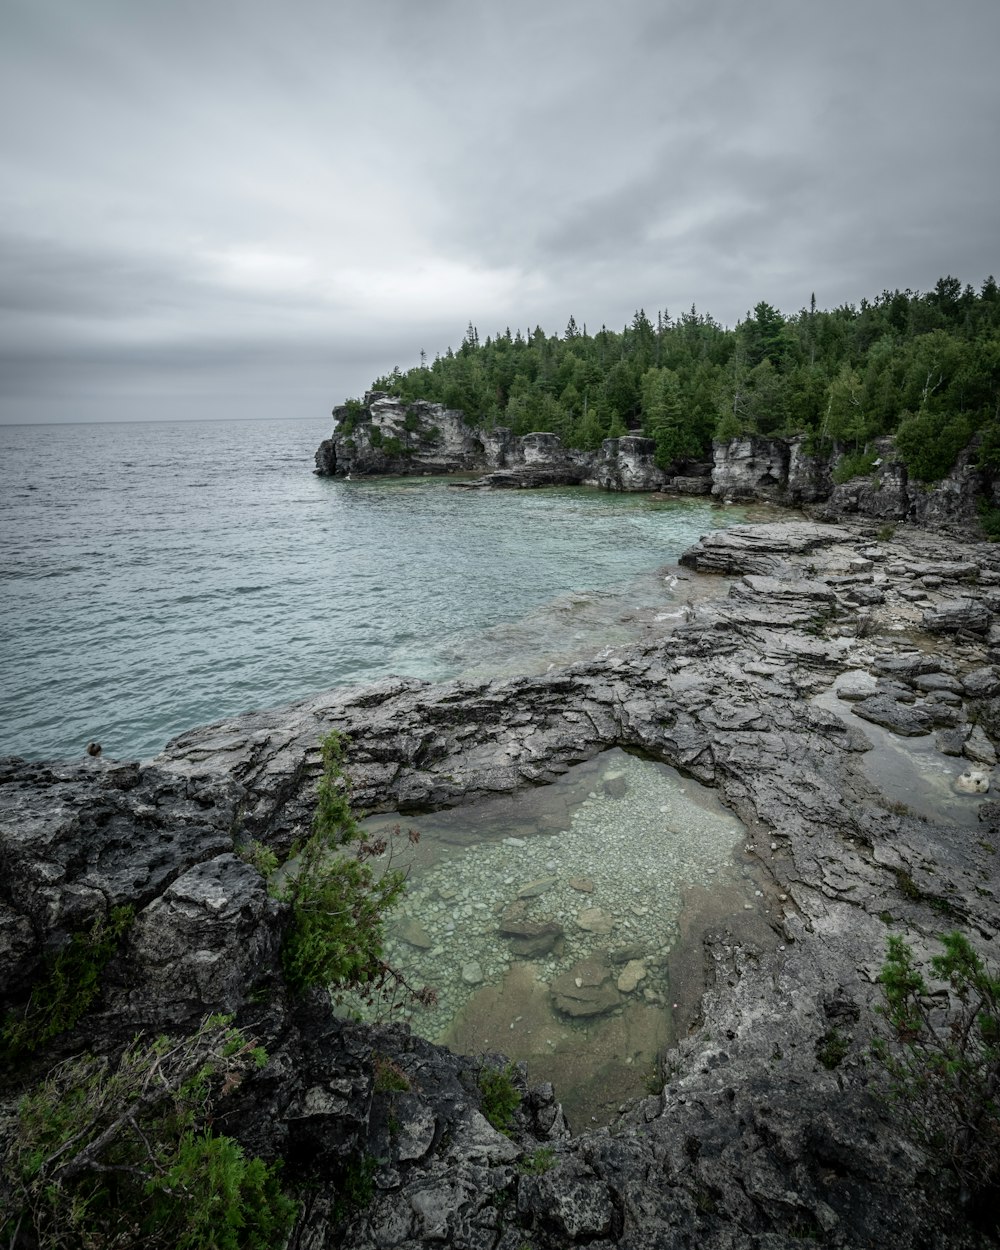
[160, 575]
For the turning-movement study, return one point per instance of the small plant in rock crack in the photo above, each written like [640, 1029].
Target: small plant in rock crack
[68, 985]
[537, 1162]
[943, 1055]
[389, 1077]
[500, 1098]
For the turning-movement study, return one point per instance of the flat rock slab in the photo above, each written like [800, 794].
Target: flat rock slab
[587, 989]
[531, 938]
[909, 722]
[759, 548]
[595, 920]
[958, 615]
[533, 889]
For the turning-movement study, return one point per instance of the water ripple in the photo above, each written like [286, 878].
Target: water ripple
[188, 571]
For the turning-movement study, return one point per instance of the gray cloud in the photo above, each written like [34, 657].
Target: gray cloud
[234, 205]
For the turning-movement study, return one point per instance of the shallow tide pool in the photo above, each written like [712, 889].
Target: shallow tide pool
[553, 924]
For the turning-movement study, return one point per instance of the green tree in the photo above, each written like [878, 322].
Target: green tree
[664, 417]
[336, 936]
[943, 1055]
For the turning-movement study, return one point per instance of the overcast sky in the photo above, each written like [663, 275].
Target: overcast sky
[246, 208]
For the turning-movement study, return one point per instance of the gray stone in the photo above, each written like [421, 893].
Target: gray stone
[531, 938]
[855, 685]
[907, 721]
[959, 615]
[614, 785]
[979, 748]
[937, 681]
[416, 1127]
[982, 683]
[587, 989]
[630, 976]
[595, 920]
[906, 665]
[571, 1198]
[538, 887]
[951, 741]
[414, 933]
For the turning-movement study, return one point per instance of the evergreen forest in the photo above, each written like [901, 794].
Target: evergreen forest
[923, 366]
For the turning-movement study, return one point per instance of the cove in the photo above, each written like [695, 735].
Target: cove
[563, 926]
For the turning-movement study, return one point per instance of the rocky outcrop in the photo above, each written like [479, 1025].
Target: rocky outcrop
[764, 1134]
[387, 436]
[781, 471]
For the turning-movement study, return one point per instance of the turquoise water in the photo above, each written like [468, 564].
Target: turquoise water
[157, 576]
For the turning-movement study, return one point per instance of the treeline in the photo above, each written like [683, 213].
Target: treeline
[925, 366]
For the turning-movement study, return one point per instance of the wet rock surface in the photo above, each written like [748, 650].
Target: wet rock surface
[751, 1141]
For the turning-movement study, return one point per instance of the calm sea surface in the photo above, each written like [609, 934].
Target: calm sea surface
[158, 576]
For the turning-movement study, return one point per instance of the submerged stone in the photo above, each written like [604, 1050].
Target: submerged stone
[587, 989]
[537, 887]
[595, 920]
[630, 976]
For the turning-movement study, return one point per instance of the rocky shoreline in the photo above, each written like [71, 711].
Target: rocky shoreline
[384, 435]
[765, 1134]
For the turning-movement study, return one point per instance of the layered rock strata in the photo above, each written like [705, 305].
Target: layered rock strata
[387, 436]
[765, 1133]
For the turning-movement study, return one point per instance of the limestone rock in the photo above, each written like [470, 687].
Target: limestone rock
[979, 748]
[595, 920]
[413, 932]
[531, 938]
[757, 549]
[534, 889]
[966, 615]
[855, 685]
[909, 722]
[587, 989]
[630, 976]
[973, 781]
[982, 683]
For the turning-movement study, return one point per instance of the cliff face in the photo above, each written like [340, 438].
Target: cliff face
[388, 436]
[780, 471]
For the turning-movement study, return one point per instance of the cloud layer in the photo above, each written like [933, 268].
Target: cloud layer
[234, 209]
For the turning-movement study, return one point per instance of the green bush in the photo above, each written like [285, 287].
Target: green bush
[855, 464]
[500, 1099]
[989, 519]
[389, 1076]
[537, 1162]
[929, 443]
[259, 856]
[944, 1059]
[338, 906]
[70, 983]
[107, 1156]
